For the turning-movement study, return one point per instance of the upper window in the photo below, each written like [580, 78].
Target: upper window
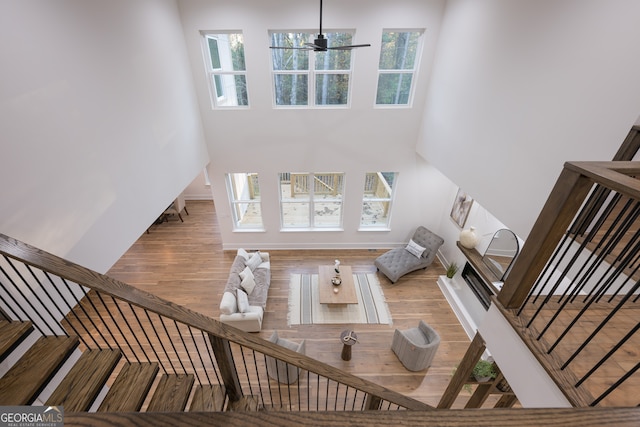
[224, 58]
[244, 195]
[397, 67]
[308, 78]
[311, 200]
[376, 202]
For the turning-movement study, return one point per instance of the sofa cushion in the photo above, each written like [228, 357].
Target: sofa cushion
[228, 303]
[246, 273]
[243, 301]
[248, 282]
[254, 261]
[415, 249]
[244, 254]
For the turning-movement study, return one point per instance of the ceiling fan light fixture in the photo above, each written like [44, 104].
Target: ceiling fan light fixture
[320, 44]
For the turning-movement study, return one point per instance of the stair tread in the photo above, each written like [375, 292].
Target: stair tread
[130, 388]
[24, 381]
[11, 334]
[207, 398]
[171, 394]
[81, 385]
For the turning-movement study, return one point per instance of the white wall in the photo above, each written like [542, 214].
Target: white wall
[99, 123]
[519, 87]
[533, 385]
[355, 141]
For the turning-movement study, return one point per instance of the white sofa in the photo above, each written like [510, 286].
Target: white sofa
[245, 294]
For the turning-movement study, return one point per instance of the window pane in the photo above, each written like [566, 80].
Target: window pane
[214, 54]
[244, 195]
[226, 52]
[291, 89]
[242, 96]
[376, 204]
[217, 83]
[248, 215]
[335, 59]
[332, 89]
[327, 214]
[394, 88]
[295, 214]
[289, 59]
[236, 45]
[294, 186]
[328, 185]
[327, 199]
[398, 51]
[232, 88]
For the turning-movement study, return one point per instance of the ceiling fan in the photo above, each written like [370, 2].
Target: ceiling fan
[320, 43]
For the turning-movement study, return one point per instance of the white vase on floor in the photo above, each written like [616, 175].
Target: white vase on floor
[469, 238]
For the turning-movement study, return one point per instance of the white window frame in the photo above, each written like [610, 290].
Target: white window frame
[312, 73]
[224, 75]
[413, 71]
[312, 200]
[389, 200]
[233, 180]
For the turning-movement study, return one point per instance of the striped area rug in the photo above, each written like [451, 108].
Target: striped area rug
[304, 308]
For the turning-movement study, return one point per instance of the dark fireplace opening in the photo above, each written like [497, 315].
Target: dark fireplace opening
[477, 285]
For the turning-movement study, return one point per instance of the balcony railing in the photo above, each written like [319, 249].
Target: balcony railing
[62, 298]
[574, 290]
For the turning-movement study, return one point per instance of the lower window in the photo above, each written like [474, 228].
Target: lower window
[377, 199]
[244, 196]
[311, 200]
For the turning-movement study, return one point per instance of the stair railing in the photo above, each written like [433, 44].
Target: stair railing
[573, 291]
[61, 297]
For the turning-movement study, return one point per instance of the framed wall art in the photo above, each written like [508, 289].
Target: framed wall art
[461, 207]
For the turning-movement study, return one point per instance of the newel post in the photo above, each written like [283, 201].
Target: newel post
[224, 358]
[556, 216]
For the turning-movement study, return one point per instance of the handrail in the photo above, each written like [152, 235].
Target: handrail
[593, 417]
[576, 276]
[67, 270]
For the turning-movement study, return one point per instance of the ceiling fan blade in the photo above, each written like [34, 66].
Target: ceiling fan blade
[348, 47]
[290, 47]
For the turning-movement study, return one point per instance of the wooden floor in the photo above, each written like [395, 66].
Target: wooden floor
[184, 263]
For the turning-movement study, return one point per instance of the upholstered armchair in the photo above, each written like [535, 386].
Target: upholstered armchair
[282, 371]
[416, 347]
[418, 253]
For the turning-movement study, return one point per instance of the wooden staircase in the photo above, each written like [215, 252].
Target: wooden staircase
[87, 384]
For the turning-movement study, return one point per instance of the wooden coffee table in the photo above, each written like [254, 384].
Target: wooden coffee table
[346, 291]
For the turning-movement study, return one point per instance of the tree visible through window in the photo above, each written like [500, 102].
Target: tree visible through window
[377, 199]
[305, 77]
[311, 200]
[397, 66]
[226, 68]
[244, 195]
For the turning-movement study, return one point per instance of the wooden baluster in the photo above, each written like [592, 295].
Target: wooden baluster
[224, 358]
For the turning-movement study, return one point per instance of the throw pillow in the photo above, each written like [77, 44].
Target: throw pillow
[243, 301]
[248, 283]
[254, 261]
[244, 254]
[228, 303]
[245, 273]
[415, 249]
